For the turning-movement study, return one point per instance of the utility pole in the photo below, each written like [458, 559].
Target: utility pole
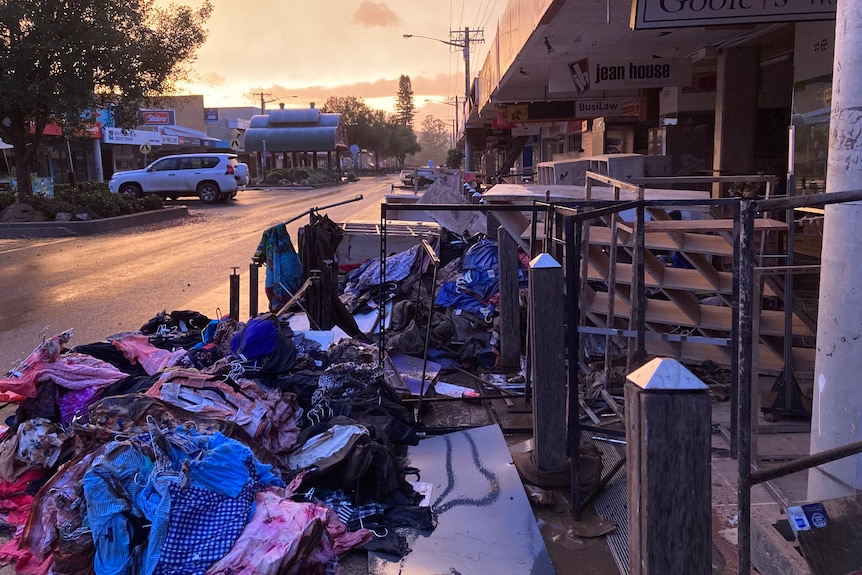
[463, 39]
[262, 100]
[457, 124]
[837, 406]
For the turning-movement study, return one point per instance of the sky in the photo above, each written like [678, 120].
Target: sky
[300, 51]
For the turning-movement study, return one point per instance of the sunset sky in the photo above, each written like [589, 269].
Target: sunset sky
[299, 51]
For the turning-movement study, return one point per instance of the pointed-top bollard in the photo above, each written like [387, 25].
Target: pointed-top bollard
[668, 446]
[544, 261]
[665, 373]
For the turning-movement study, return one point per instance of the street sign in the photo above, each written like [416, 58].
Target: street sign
[234, 134]
[146, 148]
[234, 145]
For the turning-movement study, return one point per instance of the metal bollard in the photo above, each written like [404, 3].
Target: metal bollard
[234, 295]
[326, 292]
[253, 270]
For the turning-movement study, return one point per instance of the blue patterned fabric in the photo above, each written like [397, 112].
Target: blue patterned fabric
[283, 266]
[351, 515]
[203, 527]
[174, 514]
[110, 490]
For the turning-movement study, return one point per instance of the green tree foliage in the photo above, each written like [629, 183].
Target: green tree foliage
[357, 117]
[434, 140]
[405, 109]
[60, 60]
[454, 158]
[373, 130]
[400, 141]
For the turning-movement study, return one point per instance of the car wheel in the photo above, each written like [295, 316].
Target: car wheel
[209, 192]
[133, 190]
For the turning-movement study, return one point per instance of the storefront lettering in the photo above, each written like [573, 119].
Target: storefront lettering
[674, 6]
[680, 13]
[635, 72]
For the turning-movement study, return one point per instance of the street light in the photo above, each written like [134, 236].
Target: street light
[463, 42]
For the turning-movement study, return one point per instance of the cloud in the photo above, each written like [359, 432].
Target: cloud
[373, 14]
[381, 92]
[213, 79]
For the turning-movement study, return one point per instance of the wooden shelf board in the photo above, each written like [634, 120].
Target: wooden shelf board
[711, 317]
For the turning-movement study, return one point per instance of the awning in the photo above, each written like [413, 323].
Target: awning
[182, 136]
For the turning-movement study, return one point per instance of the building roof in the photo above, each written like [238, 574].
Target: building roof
[291, 130]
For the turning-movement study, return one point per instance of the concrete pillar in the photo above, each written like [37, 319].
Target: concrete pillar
[99, 172]
[668, 447]
[737, 83]
[837, 408]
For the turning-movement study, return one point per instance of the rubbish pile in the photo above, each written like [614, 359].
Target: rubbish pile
[213, 446]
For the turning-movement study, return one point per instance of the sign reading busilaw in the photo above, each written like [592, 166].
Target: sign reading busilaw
[648, 14]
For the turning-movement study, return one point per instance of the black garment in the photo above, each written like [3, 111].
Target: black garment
[369, 471]
[109, 353]
[131, 384]
[379, 406]
[392, 543]
[43, 405]
[303, 384]
[318, 242]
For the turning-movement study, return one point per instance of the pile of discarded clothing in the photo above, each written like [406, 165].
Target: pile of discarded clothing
[203, 446]
[460, 301]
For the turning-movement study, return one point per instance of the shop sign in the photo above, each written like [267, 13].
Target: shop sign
[516, 113]
[595, 107]
[500, 121]
[211, 114]
[156, 118]
[647, 14]
[135, 137]
[599, 74]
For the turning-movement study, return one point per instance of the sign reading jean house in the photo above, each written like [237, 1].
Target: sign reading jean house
[598, 74]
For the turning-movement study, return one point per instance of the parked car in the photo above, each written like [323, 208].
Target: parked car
[426, 176]
[210, 177]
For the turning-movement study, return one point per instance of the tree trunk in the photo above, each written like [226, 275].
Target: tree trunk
[22, 172]
[25, 146]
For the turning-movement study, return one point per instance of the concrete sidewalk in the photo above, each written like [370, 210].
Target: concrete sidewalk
[771, 553]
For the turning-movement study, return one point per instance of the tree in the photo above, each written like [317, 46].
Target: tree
[61, 60]
[357, 117]
[400, 141]
[405, 109]
[454, 158]
[434, 139]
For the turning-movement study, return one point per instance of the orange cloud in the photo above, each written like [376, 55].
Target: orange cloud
[373, 14]
[213, 79]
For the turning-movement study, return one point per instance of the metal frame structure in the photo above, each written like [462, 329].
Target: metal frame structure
[567, 234]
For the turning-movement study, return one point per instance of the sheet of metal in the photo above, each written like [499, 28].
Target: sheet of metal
[484, 521]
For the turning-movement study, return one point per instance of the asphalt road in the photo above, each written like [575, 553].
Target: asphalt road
[110, 283]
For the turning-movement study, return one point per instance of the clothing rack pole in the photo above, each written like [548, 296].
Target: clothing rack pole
[435, 262]
[310, 211]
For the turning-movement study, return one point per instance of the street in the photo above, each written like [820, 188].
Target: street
[111, 283]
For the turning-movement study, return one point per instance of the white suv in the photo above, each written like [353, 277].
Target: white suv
[211, 177]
